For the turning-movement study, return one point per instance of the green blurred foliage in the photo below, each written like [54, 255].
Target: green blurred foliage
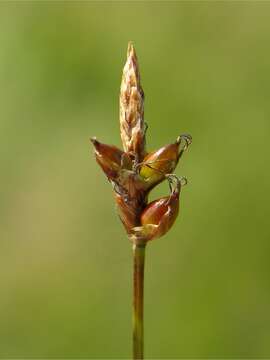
[65, 262]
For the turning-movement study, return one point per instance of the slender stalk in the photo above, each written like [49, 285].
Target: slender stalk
[138, 282]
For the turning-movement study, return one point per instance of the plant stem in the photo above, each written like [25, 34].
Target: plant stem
[138, 280]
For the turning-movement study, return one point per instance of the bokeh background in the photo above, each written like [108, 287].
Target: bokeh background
[65, 262]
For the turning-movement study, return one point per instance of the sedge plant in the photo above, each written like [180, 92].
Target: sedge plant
[133, 173]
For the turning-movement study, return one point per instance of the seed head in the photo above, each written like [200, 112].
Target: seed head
[133, 173]
[132, 127]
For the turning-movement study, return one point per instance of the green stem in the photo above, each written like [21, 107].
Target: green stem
[138, 280]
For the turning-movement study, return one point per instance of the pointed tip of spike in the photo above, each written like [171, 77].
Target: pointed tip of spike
[131, 50]
[132, 106]
[130, 46]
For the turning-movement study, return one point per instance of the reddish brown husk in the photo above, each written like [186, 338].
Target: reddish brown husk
[156, 210]
[128, 216]
[159, 216]
[108, 157]
[131, 199]
[158, 163]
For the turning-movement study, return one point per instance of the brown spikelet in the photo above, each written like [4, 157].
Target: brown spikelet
[132, 172]
[132, 127]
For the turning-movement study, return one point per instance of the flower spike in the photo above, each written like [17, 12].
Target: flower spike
[133, 173]
[132, 127]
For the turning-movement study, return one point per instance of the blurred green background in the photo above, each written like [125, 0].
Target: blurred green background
[65, 262]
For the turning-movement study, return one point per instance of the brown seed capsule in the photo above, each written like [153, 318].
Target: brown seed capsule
[109, 158]
[158, 163]
[159, 216]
